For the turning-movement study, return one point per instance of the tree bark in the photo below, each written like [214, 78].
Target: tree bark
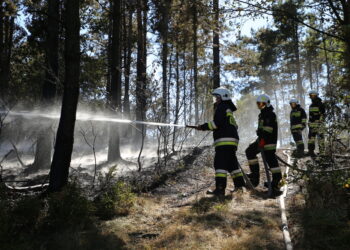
[216, 46]
[7, 24]
[177, 100]
[346, 28]
[65, 133]
[164, 30]
[309, 62]
[195, 60]
[141, 65]
[128, 51]
[300, 88]
[42, 158]
[116, 88]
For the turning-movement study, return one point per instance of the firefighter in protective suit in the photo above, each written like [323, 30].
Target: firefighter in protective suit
[266, 143]
[226, 140]
[297, 125]
[316, 122]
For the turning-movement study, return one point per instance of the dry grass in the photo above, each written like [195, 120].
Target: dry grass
[207, 224]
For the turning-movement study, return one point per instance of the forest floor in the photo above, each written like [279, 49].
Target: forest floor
[172, 211]
[179, 215]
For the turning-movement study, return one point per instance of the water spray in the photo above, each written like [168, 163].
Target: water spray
[86, 117]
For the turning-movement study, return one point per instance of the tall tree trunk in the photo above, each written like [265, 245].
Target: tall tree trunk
[116, 87]
[7, 24]
[346, 30]
[309, 62]
[169, 80]
[327, 64]
[42, 158]
[128, 54]
[127, 67]
[184, 85]
[195, 60]
[216, 46]
[280, 135]
[177, 100]
[141, 66]
[164, 30]
[300, 88]
[65, 133]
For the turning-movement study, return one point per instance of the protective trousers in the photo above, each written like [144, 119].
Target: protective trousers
[251, 152]
[313, 133]
[298, 138]
[225, 162]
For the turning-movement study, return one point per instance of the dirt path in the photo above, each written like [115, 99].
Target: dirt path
[178, 215]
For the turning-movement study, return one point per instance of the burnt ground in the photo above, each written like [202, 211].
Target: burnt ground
[178, 214]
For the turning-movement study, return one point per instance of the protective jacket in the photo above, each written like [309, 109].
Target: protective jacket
[224, 125]
[297, 118]
[316, 113]
[267, 128]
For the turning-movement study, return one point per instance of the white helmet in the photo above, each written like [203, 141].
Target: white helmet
[223, 93]
[313, 92]
[264, 98]
[294, 100]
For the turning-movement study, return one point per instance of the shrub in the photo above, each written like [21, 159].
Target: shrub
[68, 209]
[115, 200]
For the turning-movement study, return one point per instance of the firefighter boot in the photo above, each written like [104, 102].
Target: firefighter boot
[254, 176]
[219, 191]
[276, 178]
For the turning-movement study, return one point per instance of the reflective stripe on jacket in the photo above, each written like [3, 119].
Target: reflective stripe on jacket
[297, 118]
[224, 125]
[267, 127]
[316, 113]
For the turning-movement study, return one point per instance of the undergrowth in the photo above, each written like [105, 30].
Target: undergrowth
[63, 220]
[325, 216]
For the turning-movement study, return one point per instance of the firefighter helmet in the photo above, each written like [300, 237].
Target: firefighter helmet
[293, 100]
[223, 93]
[313, 92]
[264, 98]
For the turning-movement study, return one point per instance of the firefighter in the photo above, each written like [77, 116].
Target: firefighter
[266, 143]
[316, 122]
[226, 140]
[297, 125]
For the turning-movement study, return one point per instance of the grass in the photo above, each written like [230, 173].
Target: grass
[207, 224]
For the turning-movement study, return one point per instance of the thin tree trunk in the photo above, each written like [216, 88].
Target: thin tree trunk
[195, 61]
[300, 88]
[216, 46]
[190, 112]
[6, 43]
[141, 65]
[177, 102]
[65, 133]
[184, 85]
[169, 81]
[327, 66]
[309, 60]
[164, 30]
[128, 49]
[346, 29]
[280, 136]
[42, 158]
[116, 88]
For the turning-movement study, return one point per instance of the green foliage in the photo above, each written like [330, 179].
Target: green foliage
[19, 220]
[68, 209]
[116, 200]
[57, 221]
[327, 209]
